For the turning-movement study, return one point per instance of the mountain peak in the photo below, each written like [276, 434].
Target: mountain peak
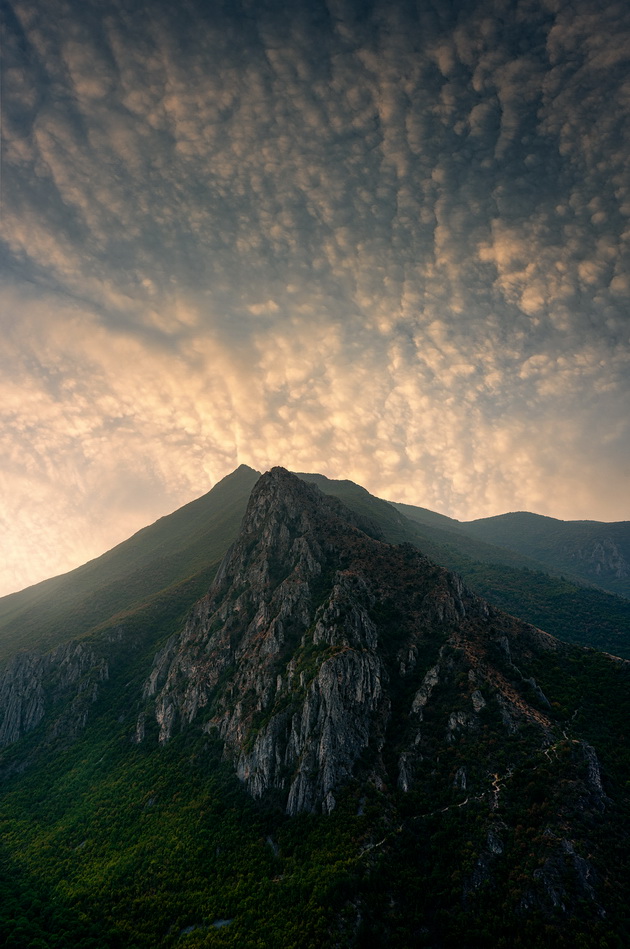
[278, 484]
[318, 647]
[285, 496]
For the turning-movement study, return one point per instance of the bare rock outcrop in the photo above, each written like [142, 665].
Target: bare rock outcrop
[312, 630]
[34, 683]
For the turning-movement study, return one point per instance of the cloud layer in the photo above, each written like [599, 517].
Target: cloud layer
[374, 240]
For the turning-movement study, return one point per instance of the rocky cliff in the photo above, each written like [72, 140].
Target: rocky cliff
[603, 558]
[66, 680]
[322, 654]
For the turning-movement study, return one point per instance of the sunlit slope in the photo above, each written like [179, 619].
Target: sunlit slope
[177, 548]
[519, 584]
[595, 551]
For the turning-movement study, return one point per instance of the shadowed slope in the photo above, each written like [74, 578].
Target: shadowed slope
[519, 584]
[597, 552]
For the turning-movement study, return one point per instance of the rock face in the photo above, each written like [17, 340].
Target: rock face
[320, 649]
[34, 683]
[604, 558]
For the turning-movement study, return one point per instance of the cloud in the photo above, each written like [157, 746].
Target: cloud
[388, 245]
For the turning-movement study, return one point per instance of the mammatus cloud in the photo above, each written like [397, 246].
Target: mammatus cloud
[391, 247]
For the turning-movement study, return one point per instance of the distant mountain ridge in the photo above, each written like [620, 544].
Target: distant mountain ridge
[519, 584]
[595, 551]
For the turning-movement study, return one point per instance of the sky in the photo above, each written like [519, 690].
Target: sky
[384, 241]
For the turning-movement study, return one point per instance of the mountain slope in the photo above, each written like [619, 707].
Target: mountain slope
[341, 746]
[177, 548]
[597, 552]
[305, 601]
[518, 584]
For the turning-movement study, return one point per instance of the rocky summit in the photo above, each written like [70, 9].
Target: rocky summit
[323, 655]
[338, 745]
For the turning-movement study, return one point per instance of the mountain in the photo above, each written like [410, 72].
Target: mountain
[534, 590]
[315, 634]
[173, 560]
[341, 745]
[597, 552]
[156, 575]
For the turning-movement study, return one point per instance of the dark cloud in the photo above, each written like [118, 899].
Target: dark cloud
[386, 241]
